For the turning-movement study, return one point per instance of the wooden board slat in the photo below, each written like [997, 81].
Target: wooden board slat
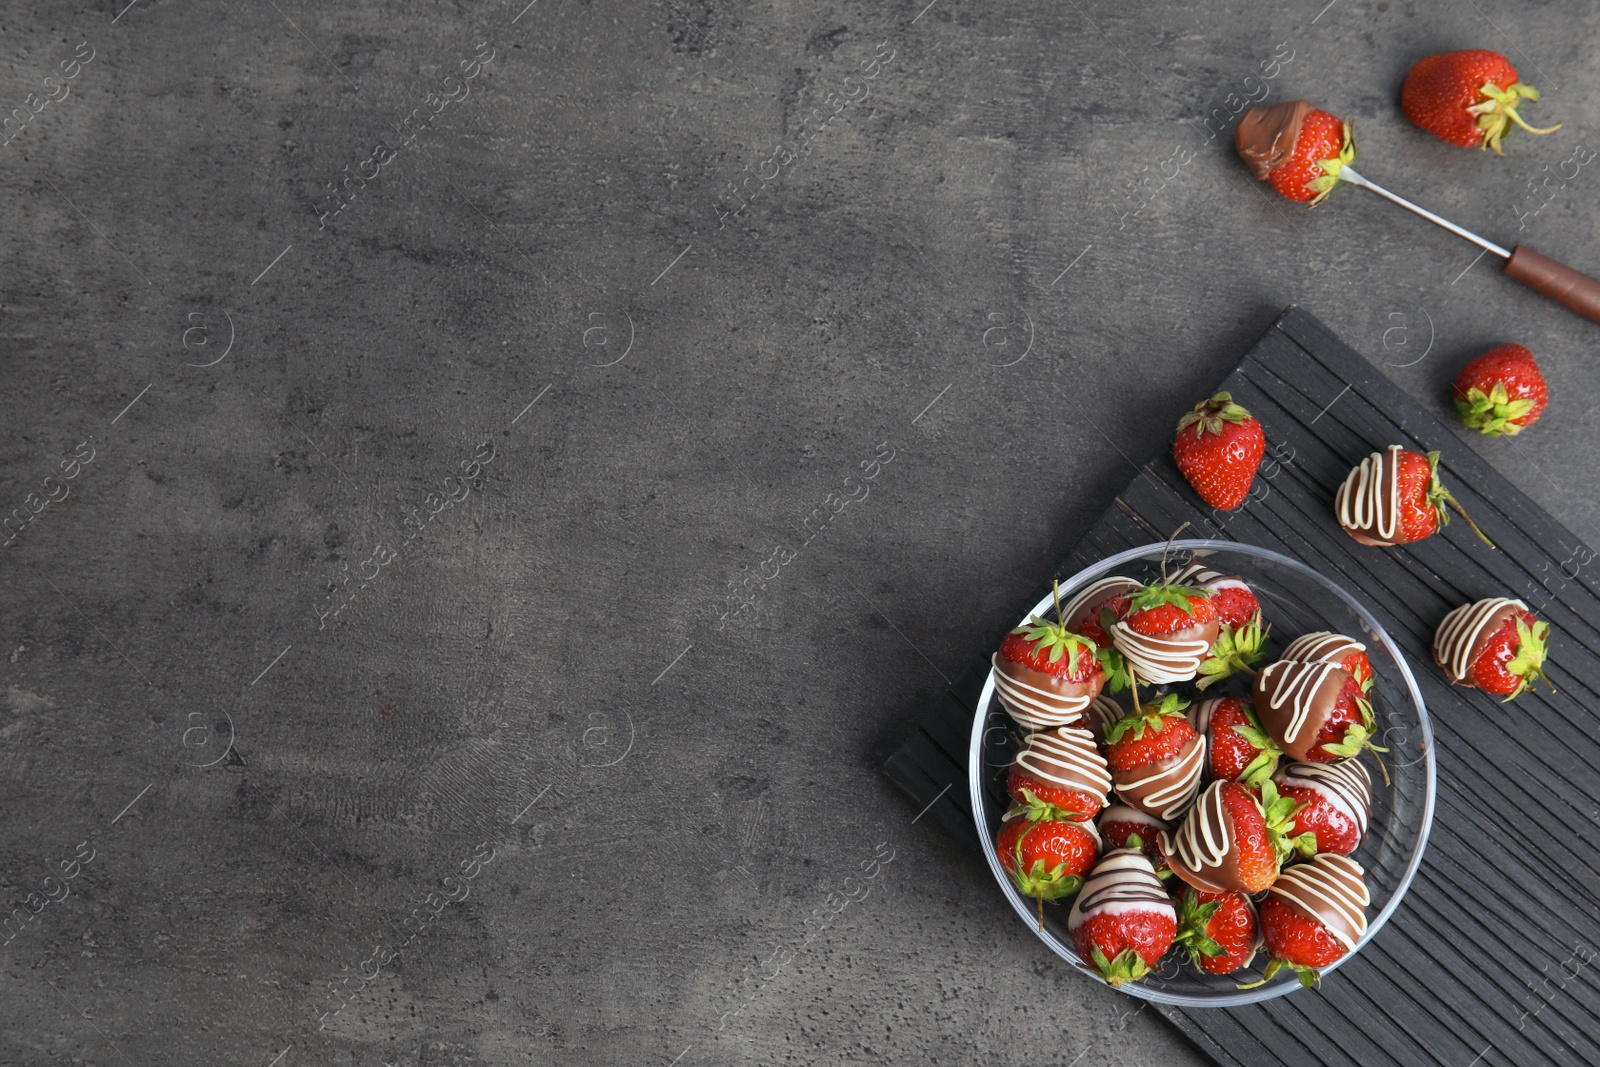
[1487, 960]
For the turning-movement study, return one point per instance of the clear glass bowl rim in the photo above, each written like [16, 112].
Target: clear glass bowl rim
[1286, 983]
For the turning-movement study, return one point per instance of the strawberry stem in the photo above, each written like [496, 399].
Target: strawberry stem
[1450, 499]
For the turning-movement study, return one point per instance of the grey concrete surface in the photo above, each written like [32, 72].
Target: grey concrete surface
[362, 784]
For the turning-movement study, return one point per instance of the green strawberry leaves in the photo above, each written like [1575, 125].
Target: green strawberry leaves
[1309, 977]
[1494, 413]
[1278, 812]
[1211, 416]
[1329, 178]
[1037, 811]
[1234, 650]
[1193, 918]
[1498, 110]
[1153, 716]
[1126, 966]
[1437, 496]
[1527, 663]
[1161, 594]
[1119, 675]
[1056, 639]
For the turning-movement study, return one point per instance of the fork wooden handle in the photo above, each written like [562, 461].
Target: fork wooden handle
[1567, 287]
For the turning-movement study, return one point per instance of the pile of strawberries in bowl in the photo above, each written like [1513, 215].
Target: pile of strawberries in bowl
[1202, 772]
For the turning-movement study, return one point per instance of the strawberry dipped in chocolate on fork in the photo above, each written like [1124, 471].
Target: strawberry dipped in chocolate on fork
[1316, 712]
[1299, 149]
[1230, 841]
[1240, 636]
[1063, 770]
[1313, 916]
[1156, 759]
[1394, 497]
[1046, 675]
[1496, 645]
[1123, 921]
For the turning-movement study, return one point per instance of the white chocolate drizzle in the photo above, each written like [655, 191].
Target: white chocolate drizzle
[1206, 837]
[1161, 659]
[1464, 632]
[1329, 890]
[1034, 707]
[1103, 589]
[1299, 691]
[1122, 881]
[1347, 786]
[1167, 787]
[1368, 502]
[1322, 647]
[1067, 757]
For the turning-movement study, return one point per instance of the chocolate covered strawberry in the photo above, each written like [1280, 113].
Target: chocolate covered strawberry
[1125, 827]
[1468, 98]
[1167, 633]
[1156, 758]
[1230, 841]
[1335, 802]
[1219, 931]
[1314, 914]
[1063, 769]
[1501, 392]
[1337, 649]
[1234, 602]
[1123, 921]
[1237, 748]
[1316, 712]
[1045, 857]
[1240, 634]
[1496, 645]
[1394, 497]
[1218, 448]
[1298, 148]
[1092, 611]
[1045, 675]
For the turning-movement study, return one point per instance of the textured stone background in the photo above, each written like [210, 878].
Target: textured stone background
[968, 244]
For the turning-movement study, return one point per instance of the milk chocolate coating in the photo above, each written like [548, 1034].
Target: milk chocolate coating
[1204, 852]
[1348, 784]
[1067, 757]
[1088, 602]
[1039, 700]
[1162, 659]
[1294, 701]
[1167, 787]
[1465, 632]
[1266, 136]
[1322, 647]
[1367, 504]
[1328, 890]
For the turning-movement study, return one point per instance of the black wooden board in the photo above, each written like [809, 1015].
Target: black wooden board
[1489, 958]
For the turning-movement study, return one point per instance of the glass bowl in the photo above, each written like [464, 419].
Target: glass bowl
[1294, 600]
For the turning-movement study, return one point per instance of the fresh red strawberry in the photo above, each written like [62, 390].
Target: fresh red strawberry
[1157, 733]
[1218, 930]
[1218, 448]
[1313, 915]
[1045, 675]
[1324, 148]
[1374, 510]
[1046, 857]
[1235, 604]
[1335, 801]
[1125, 827]
[1513, 658]
[1123, 922]
[1467, 98]
[1237, 748]
[1501, 391]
